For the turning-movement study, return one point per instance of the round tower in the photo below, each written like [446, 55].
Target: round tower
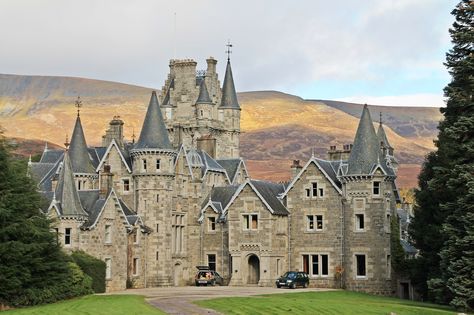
[153, 174]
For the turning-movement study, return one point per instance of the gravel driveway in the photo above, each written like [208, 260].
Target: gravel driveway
[178, 300]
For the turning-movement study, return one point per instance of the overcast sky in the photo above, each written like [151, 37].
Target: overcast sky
[375, 51]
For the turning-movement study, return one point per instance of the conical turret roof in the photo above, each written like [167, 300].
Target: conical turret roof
[203, 97]
[66, 193]
[80, 159]
[366, 148]
[382, 137]
[229, 96]
[154, 134]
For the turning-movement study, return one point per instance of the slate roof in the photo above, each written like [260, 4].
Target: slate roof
[231, 166]
[78, 151]
[38, 170]
[209, 164]
[330, 168]
[270, 192]
[166, 100]
[153, 134]
[94, 212]
[220, 196]
[366, 149]
[45, 183]
[51, 156]
[408, 248]
[229, 96]
[382, 137]
[203, 97]
[66, 193]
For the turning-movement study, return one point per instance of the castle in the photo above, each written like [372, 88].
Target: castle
[181, 196]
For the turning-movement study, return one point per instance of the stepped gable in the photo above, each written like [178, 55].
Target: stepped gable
[203, 97]
[66, 195]
[366, 148]
[229, 96]
[79, 152]
[154, 134]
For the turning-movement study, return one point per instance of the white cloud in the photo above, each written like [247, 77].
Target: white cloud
[424, 100]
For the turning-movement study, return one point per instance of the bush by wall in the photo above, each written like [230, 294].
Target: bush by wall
[93, 267]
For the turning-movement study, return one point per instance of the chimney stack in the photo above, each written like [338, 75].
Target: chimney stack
[106, 181]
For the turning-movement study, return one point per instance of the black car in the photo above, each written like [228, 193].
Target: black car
[292, 279]
[205, 276]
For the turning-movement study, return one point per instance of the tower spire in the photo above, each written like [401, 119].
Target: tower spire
[229, 96]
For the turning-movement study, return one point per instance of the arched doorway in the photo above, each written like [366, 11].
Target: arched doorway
[254, 270]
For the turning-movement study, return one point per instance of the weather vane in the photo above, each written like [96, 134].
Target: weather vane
[228, 51]
[78, 104]
[66, 143]
[380, 117]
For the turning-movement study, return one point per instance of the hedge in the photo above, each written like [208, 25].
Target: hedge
[93, 267]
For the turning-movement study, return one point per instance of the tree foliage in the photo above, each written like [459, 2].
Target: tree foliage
[443, 228]
[33, 268]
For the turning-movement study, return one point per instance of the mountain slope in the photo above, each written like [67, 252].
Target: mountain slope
[276, 127]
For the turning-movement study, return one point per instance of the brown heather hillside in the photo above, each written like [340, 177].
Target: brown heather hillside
[276, 127]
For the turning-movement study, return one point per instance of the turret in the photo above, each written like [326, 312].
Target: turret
[229, 114]
[385, 147]
[84, 171]
[368, 203]
[153, 172]
[204, 105]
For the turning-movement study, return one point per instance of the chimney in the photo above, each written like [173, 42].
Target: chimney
[295, 168]
[115, 131]
[106, 181]
[336, 155]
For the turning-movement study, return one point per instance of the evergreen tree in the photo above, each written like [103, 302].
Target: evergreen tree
[445, 213]
[33, 268]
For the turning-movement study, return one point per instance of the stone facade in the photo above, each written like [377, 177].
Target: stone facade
[181, 197]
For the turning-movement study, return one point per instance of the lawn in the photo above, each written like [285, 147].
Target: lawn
[334, 302]
[93, 304]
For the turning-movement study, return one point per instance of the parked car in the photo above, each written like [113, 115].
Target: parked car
[205, 276]
[292, 279]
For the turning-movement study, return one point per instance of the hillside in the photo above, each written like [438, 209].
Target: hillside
[276, 127]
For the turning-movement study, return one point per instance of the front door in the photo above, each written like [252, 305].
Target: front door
[254, 270]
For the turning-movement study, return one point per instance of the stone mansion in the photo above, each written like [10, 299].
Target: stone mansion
[180, 196]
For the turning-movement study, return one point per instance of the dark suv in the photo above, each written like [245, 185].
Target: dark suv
[292, 279]
[205, 276]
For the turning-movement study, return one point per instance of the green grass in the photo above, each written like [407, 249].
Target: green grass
[334, 302]
[94, 305]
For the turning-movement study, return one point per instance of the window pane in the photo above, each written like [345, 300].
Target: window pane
[254, 222]
[315, 189]
[319, 222]
[315, 270]
[324, 265]
[306, 263]
[211, 261]
[360, 260]
[310, 222]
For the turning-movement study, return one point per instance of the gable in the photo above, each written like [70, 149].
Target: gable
[114, 157]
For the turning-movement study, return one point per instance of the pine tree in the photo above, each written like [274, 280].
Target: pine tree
[446, 195]
[33, 268]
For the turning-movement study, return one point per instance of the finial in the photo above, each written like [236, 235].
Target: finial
[380, 121]
[78, 104]
[66, 143]
[133, 135]
[192, 140]
[228, 51]
[29, 160]
[46, 146]
[312, 153]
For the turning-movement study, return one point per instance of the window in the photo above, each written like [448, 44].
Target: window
[389, 267]
[135, 266]
[157, 228]
[108, 234]
[387, 223]
[376, 188]
[321, 192]
[157, 198]
[212, 224]
[136, 238]
[126, 184]
[201, 113]
[211, 261]
[360, 225]
[158, 164]
[157, 255]
[144, 164]
[360, 266]
[314, 187]
[315, 222]
[67, 236]
[308, 192]
[316, 265]
[108, 268]
[177, 230]
[56, 231]
[250, 222]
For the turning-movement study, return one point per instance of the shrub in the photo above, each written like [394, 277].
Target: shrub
[93, 267]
